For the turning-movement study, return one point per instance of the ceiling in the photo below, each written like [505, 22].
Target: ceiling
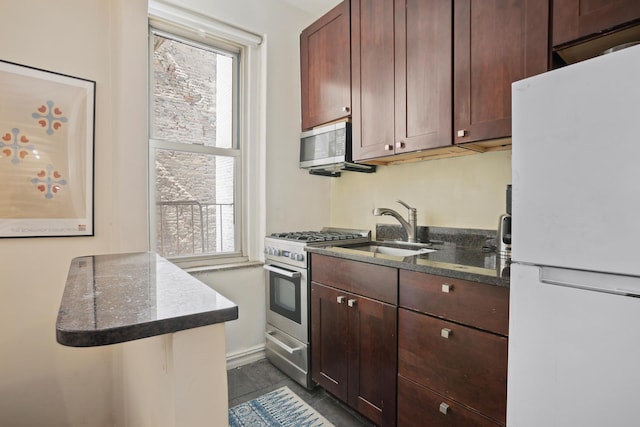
[314, 7]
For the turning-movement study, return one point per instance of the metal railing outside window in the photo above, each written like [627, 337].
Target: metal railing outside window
[190, 227]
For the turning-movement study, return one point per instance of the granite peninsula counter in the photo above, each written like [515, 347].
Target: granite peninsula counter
[170, 363]
[110, 299]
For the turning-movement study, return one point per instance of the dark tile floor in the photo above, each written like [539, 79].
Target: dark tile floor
[250, 381]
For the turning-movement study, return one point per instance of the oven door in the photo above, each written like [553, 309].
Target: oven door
[287, 299]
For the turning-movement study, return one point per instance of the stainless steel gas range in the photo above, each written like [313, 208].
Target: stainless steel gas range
[288, 296]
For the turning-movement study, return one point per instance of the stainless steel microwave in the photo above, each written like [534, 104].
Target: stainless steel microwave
[326, 150]
[325, 145]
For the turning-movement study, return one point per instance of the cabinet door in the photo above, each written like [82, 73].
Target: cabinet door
[496, 42]
[325, 68]
[462, 363]
[423, 74]
[372, 71]
[329, 337]
[575, 19]
[372, 359]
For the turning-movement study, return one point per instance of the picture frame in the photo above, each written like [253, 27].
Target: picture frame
[46, 153]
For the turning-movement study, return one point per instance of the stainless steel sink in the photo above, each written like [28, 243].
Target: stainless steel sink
[395, 249]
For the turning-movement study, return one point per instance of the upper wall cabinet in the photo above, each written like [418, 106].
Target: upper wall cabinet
[421, 69]
[496, 42]
[577, 19]
[325, 67]
[401, 79]
[372, 68]
[583, 29]
[422, 74]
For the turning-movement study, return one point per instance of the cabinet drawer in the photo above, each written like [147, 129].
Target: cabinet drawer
[369, 280]
[468, 365]
[418, 406]
[476, 304]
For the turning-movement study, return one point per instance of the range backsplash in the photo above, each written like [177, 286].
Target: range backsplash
[466, 237]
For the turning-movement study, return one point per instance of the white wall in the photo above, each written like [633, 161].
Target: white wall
[461, 192]
[294, 199]
[42, 382]
[245, 335]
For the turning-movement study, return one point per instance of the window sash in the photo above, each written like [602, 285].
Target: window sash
[158, 144]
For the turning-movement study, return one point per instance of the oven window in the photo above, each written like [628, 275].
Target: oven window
[285, 296]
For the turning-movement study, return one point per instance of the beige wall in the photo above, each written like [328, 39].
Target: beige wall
[43, 383]
[461, 192]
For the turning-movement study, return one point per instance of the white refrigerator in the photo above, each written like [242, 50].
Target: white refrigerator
[574, 331]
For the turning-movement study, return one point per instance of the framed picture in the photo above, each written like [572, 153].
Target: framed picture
[46, 153]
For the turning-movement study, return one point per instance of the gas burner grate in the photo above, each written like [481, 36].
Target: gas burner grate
[318, 236]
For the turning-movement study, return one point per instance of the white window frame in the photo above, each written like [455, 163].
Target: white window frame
[249, 135]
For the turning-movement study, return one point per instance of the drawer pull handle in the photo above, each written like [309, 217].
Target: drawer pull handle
[446, 288]
[444, 408]
[445, 332]
[340, 300]
[352, 302]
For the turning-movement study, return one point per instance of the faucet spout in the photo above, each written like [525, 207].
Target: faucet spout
[410, 226]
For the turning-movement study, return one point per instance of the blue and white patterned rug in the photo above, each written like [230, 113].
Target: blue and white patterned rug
[279, 408]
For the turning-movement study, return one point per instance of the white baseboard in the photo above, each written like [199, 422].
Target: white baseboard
[245, 356]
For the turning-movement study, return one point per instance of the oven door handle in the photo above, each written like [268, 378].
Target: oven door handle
[282, 271]
[269, 335]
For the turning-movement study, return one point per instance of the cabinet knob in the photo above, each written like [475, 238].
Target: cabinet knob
[444, 408]
[340, 299]
[345, 109]
[446, 288]
[400, 144]
[445, 332]
[352, 302]
[388, 147]
[462, 133]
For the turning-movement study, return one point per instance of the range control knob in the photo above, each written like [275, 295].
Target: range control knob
[297, 257]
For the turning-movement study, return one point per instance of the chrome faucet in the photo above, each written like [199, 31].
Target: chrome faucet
[410, 227]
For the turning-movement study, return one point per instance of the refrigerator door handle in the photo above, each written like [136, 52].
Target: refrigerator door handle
[591, 281]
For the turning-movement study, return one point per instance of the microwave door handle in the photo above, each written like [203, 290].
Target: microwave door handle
[283, 272]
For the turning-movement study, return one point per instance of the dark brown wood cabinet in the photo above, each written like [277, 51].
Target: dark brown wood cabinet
[419, 406]
[325, 68]
[452, 351]
[578, 19]
[483, 306]
[372, 78]
[401, 69]
[496, 42]
[460, 362]
[423, 66]
[354, 350]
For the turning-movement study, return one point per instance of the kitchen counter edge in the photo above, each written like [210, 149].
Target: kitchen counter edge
[415, 263]
[138, 295]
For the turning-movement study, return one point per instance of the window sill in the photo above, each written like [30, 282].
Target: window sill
[223, 267]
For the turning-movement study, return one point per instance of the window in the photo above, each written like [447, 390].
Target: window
[195, 154]
[207, 139]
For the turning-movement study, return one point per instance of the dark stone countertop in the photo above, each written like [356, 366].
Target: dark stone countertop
[449, 260]
[110, 299]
